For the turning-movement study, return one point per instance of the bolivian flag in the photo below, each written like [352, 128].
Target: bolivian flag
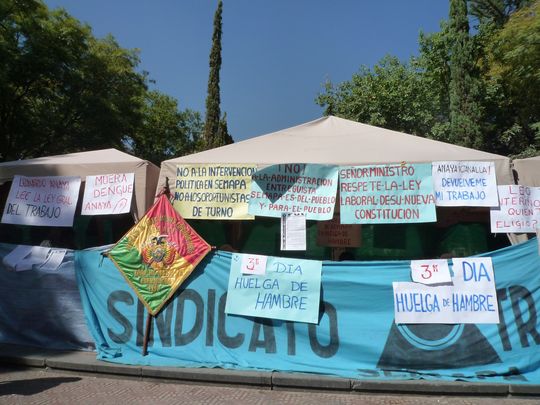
[157, 254]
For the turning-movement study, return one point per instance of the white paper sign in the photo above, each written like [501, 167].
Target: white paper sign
[471, 184]
[253, 264]
[519, 210]
[434, 271]
[42, 201]
[471, 299]
[108, 194]
[293, 231]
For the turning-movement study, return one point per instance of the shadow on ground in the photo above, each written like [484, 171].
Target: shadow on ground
[34, 386]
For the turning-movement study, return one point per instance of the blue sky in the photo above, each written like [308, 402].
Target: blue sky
[277, 54]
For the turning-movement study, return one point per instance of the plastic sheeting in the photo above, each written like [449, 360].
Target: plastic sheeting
[42, 308]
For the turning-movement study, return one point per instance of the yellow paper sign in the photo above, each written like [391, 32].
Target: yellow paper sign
[213, 191]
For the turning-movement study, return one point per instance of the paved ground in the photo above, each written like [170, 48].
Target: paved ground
[46, 386]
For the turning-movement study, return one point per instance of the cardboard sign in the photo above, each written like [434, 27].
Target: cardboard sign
[308, 189]
[108, 194]
[289, 290]
[42, 201]
[385, 194]
[470, 184]
[213, 191]
[293, 232]
[433, 271]
[471, 299]
[519, 210]
[333, 234]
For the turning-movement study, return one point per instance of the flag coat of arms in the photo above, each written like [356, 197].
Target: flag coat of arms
[157, 254]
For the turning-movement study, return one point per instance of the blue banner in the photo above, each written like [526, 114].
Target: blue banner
[308, 189]
[387, 194]
[356, 336]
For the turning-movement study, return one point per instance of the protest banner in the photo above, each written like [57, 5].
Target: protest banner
[213, 191]
[308, 189]
[356, 311]
[108, 194]
[470, 184]
[42, 201]
[333, 234]
[290, 290]
[519, 210]
[471, 299]
[384, 194]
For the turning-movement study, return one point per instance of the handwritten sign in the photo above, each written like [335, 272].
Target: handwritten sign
[289, 290]
[108, 194]
[434, 271]
[382, 194]
[253, 264]
[332, 233]
[293, 232]
[470, 184]
[42, 201]
[471, 299]
[519, 210]
[308, 189]
[213, 191]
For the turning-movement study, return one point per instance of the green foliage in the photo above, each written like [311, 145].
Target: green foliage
[393, 95]
[61, 89]
[495, 11]
[211, 135]
[479, 90]
[165, 132]
[464, 88]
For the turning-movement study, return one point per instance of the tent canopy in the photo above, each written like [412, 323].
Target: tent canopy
[105, 161]
[528, 171]
[333, 140]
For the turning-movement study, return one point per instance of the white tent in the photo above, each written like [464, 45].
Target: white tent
[528, 171]
[332, 140]
[106, 161]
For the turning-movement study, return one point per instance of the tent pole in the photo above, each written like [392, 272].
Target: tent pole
[146, 334]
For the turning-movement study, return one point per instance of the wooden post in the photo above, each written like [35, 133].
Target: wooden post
[146, 334]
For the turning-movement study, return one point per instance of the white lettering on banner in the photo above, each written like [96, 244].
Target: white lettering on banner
[471, 299]
[519, 210]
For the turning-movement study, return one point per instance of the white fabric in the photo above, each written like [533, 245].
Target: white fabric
[333, 140]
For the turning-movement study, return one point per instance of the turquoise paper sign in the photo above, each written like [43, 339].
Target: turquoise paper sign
[290, 290]
[386, 194]
[308, 189]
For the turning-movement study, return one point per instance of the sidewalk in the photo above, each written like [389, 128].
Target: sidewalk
[85, 362]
